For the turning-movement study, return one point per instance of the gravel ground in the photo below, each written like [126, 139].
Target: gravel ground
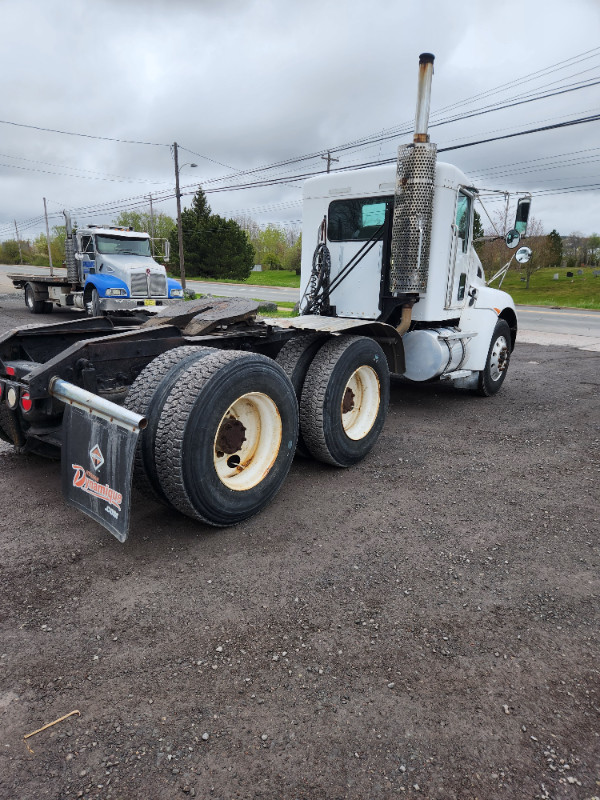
[424, 624]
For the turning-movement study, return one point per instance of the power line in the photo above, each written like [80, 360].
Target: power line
[86, 177]
[83, 135]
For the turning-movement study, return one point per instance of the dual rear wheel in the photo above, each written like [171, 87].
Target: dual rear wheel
[223, 425]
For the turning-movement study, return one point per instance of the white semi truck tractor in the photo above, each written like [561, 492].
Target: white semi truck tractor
[204, 405]
[396, 246]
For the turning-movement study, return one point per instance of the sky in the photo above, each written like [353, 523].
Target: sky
[242, 85]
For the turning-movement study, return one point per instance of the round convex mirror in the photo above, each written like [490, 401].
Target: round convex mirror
[512, 238]
[523, 255]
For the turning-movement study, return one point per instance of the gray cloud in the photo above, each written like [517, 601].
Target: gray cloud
[251, 83]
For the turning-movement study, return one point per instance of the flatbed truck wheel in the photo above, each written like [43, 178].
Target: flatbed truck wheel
[493, 375]
[35, 306]
[344, 400]
[295, 357]
[94, 309]
[147, 396]
[226, 437]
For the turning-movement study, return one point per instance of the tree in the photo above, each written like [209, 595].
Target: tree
[213, 247]
[478, 233]
[9, 252]
[593, 246]
[270, 246]
[541, 254]
[293, 256]
[141, 221]
[554, 248]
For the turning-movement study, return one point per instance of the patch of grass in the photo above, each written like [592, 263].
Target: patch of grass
[580, 291]
[281, 313]
[273, 277]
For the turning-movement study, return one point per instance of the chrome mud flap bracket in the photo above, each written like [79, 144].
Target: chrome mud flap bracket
[99, 441]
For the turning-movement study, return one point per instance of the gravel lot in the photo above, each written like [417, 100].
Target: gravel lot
[424, 624]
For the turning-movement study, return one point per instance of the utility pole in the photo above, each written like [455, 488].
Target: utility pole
[179, 228]
[151, 224]
[19, 243]
[329, 159]
[48, 238]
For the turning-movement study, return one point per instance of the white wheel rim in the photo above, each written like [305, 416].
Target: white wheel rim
[29, 298]
[251, 432]
[361, 399]
[499, 358]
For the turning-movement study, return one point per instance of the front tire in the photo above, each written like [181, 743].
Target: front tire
[493, 375]
[34, 306]
[94, 309]
[344, 400]
[226, 437]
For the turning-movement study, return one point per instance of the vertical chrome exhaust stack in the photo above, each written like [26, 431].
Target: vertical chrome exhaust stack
[423, 97]
[413, 198]
[72, 267]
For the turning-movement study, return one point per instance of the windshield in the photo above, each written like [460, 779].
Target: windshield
[111, 245]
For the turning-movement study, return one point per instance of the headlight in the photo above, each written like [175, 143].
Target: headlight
[116, 293]
[176, 292]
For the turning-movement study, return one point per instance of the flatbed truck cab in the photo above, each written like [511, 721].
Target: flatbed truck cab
[108, 269]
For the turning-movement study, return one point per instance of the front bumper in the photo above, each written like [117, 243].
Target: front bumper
[136, 303]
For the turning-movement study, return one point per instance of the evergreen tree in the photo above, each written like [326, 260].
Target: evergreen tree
[554, 249]
[213, 247]
[478, 232]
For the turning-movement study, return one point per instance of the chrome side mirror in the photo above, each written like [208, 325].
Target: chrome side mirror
[512, 238]
[523, 255]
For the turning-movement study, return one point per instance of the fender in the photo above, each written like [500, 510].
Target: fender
[173, 285]
[386, 335]
[104, 282]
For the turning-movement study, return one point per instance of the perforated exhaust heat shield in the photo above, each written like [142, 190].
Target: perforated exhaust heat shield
[413, 207]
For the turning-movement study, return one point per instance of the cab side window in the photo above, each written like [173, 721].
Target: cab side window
[463, 219]
[87, 246]
[357, 219]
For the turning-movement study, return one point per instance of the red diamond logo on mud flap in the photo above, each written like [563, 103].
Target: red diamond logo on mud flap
[96, 456]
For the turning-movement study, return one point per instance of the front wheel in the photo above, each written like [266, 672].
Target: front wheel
[493, 375]
[93, 305]
[34, 306]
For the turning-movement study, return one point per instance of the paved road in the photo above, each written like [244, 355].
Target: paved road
[272, 293]
[565, 326]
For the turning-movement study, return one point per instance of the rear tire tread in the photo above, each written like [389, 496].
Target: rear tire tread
[171, 429]
[295, 358]
[140, 399]
[314, 398]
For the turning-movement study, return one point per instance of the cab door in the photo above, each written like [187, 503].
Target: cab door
[88, 261]
[355, 228]
[459, 268]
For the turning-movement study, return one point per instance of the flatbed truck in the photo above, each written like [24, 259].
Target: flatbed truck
[109, 269]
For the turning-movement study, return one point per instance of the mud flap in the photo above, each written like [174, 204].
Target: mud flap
[97, 468]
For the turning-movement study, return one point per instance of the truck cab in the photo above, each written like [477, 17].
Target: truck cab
[117, 271]
[452, 310]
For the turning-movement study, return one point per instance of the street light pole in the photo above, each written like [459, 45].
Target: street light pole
[48, 237]
[179, 228]
[151, 224]
[19, 243]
